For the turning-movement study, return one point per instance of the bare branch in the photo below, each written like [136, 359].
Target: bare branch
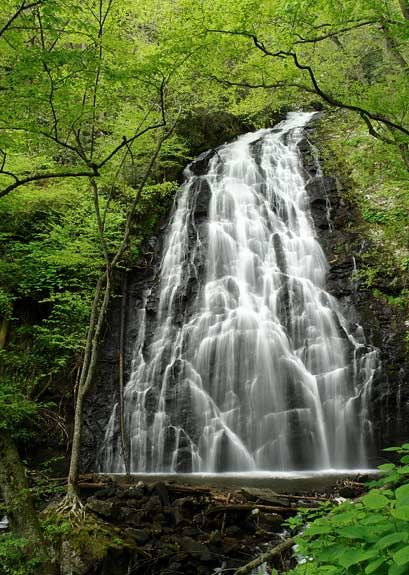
[3, 161]
[279, 84]
[22, 8]
[337, 103]
[126, 142]
[373, 132]
[334, 33]
[37, 177]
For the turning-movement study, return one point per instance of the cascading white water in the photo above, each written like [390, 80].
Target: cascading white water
[254, 368]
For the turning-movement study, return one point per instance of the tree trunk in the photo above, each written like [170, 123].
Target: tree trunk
[404, 6]
[393, 48]
[72, 502]
[19, 504]
[75, 450]
[3, 332]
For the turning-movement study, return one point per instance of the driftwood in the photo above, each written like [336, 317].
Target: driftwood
[277, 550]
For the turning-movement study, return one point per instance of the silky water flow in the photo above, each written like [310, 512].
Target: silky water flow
[252, 365]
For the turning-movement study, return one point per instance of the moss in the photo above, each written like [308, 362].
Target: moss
[90, 539]
[375, 183]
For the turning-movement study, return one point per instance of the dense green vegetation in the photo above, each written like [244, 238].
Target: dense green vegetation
[370, 535]
[101, 105]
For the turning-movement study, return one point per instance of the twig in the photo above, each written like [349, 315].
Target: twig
[274, 552]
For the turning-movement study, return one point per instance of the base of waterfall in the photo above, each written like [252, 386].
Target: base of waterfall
[281, 481]
[201, 524]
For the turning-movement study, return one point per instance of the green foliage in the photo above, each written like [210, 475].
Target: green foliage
[368, 536]
[17, 411]
[17, 556]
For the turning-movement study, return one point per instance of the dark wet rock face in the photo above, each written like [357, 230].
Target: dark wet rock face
[336, 219]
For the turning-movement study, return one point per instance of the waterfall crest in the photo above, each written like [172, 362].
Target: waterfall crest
[251, 364]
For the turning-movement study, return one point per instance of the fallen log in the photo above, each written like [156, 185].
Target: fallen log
[274, 552]
[249, 507]
[187, 489]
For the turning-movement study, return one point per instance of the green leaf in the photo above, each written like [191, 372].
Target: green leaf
[375, 500]
[401, 513]
[331, 553]
[371, 567]
[403, 470]
[318, 529]
[352, 557]
[387, 467]
[401, 557]
[402, 492]
[328, 570]
[374, 519]
[405, 459]
[396, 570]
[355, 532]
[392, 538]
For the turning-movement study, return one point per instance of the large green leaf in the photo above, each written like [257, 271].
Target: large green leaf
[392, 539]
[402, 492]
[353, 556]
[373, 566]
[401, 512]
[375, 500]
[401, 557]
[356, 532]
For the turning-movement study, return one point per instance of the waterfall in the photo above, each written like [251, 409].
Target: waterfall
[249, 363]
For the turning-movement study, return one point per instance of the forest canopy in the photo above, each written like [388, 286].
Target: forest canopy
[103, 103]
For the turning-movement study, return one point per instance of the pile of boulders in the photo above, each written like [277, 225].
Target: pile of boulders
[167, 528]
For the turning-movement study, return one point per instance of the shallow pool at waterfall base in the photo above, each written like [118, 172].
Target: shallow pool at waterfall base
[305, 474]
[282, 481]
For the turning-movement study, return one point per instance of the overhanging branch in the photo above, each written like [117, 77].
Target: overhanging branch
[38, 177]
[17, 13]
[329, 99]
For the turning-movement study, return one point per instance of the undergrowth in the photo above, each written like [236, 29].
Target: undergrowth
[367, 536]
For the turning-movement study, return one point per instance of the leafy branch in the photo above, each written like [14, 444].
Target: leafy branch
[328, 98]
[17, 13]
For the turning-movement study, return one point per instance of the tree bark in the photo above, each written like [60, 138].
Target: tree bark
[19, 504]
[393, 48]
[3, 332]
[404, 6]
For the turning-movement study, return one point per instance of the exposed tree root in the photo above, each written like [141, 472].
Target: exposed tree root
[72, 506]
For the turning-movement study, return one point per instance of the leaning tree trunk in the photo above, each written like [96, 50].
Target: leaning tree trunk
[71, 502]
[19, 504]
[404, 6]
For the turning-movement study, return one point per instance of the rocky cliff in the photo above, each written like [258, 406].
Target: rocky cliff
[335, 215]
